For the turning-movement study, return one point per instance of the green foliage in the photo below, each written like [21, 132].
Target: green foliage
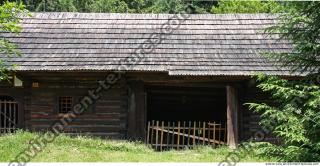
[130, 6]
[9, 20]
[136, 6]
[166, 6]
[109, 6]
[255, 6]
[302, 27]
[83, 5]
[295, 118]
[56, 5]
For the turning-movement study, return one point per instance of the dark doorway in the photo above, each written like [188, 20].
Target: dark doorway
[186, 104]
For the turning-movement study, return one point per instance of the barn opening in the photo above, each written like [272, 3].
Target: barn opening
[184, 116]
[8, 114]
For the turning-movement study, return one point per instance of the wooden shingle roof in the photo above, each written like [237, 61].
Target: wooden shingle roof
[222, 44]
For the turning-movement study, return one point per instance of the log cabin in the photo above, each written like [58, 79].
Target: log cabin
[174, 68]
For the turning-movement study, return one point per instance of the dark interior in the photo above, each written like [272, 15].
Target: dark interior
[8, 114]
[186, 104]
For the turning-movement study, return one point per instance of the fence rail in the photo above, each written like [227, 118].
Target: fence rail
[8, 116]
[163, 135]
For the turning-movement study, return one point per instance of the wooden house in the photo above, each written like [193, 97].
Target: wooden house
[171, 68]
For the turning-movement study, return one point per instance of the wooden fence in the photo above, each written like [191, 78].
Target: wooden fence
[8, 116]
[163, 135]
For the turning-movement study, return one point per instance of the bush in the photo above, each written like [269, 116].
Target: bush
[295, 119]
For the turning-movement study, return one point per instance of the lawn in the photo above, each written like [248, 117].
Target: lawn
[84, 149]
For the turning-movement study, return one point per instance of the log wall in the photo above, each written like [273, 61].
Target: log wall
[105, 118]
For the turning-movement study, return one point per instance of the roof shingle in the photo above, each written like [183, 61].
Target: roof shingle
[205, 44]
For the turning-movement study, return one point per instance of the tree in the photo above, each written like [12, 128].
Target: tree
[56, 5]
[109, 6]
[136, 6]
[295, 118]
[165, 6]
[83, 5]
[126, 6]
[255, 6]
[10, 16]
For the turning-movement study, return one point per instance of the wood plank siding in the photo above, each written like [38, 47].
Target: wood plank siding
[106, 117]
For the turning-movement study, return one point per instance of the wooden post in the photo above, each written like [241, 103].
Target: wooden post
[219, 136]
[214, 133]
[172, 140]
[232, 117]
[183, 131]
[189, 133]
[136, 111]
[152, 130]
[148, 131]
[203, 132]
[157, 131]
[161, 137]
[168, 135]
[178, 138]
[194, 134]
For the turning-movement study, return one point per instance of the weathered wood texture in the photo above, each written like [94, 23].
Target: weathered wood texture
[164, 136]
[222, 44]
[122, 112]
[106, 118]
[232, 116]
[136, 111]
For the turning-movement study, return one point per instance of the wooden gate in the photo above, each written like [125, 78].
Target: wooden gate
[8, 116]
[163, 135]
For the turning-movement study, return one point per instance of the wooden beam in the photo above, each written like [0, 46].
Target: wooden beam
[136, 111]
[131, 134]
[232, 117]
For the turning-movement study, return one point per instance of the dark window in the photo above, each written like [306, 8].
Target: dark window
[65, 104]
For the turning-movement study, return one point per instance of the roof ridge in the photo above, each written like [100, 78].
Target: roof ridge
[67, 15]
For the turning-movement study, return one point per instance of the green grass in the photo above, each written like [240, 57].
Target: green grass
[84, 149]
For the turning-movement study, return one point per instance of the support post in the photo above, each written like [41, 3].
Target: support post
[136, 111]
[232, 117]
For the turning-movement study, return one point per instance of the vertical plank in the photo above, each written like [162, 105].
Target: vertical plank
[209, 133]
[168, 135]
[161, 137]
[194, 133]
[148, 133]
[152, 131]
[16, 115]
[199, 130]
[204, 133]
[219, 133]
[189, 128]
[172, 140]
[183, 131]
[232, 117]
[157, 131]
[214, 133]
[10, 117]
[225, 132]
[5, 118]
[178, 138]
